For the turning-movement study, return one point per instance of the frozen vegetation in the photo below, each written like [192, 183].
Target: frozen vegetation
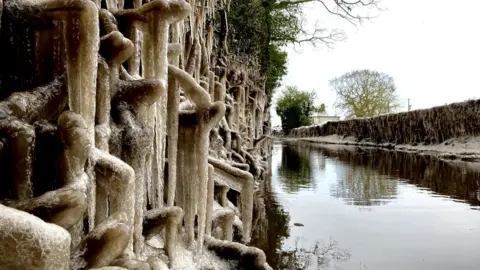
[124, 125]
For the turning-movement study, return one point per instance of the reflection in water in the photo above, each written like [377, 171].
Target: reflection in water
[365, 178]
[270, 227]
[454, 179]
[319, 256]
[357, 185]
[295, 168]
[271, 222]
[419, 196]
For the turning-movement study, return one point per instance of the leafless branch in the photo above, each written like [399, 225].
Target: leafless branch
[344, 9]
[354, 12]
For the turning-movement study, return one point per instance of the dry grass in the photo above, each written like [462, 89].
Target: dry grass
[428, 126]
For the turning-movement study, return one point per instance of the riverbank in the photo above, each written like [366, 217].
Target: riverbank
[464, 148]
[450, 132]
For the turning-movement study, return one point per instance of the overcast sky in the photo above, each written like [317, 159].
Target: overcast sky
[430, 47]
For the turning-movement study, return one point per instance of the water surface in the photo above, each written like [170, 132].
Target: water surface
[331, 207]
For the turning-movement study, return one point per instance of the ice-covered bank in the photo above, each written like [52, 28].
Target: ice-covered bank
[123, 125]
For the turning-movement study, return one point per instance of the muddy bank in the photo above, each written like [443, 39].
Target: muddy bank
[451, 131]
[464, 148]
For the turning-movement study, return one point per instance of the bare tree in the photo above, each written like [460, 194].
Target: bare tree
[364, 93]
[354, 12]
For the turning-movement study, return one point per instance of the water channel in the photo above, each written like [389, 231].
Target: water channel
[340, 207]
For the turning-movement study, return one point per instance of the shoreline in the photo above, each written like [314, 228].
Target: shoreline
[462, 148]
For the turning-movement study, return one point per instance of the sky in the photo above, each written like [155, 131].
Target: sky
[430, 47]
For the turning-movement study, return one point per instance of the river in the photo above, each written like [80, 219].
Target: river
[339, 207]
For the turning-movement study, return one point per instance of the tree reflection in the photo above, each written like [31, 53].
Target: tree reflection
[321, 160]
[270, 232]
[363, 179]
[363, 187]
[271, 229]
[456, 179]
[295, 169]
[319, 256]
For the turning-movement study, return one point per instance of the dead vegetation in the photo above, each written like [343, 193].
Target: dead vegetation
[428, 126]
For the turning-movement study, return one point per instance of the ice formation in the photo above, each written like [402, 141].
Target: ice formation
[125, 127]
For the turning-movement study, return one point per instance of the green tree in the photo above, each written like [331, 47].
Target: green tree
[260, 28]
[320, 109]
[277, 68]
[295, 107]
[365, 93]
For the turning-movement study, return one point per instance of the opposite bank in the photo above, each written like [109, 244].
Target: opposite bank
[449, 131]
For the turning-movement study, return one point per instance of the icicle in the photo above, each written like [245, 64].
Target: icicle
[202, 152]
[210, 37]
[83, 68]
[146, 115]
[219, 92]
[204, 64]
[209, 209]
[187, 171]
[158, 36]
[102, 134]
[172, 125]
[103, 100]
[183, 40]
[212, 7]
[82, 56]
[193, 145]
[112, 5]
[211, 86]
[161, 65]
[155, 63]
[192, 19]
[203, 17]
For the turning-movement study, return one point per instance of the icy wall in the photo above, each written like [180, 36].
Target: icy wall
[122, 124]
